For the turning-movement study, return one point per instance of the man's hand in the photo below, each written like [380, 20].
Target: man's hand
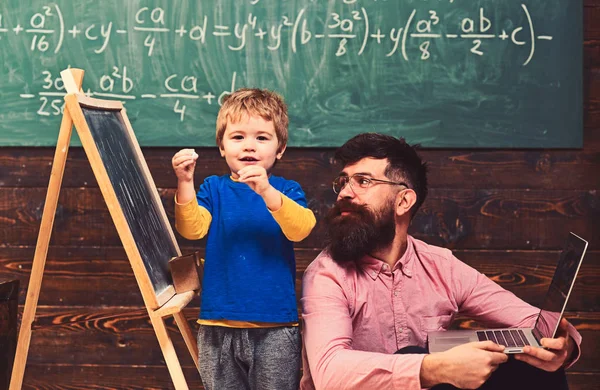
[466, 366]
[184, 163]
[558, 350]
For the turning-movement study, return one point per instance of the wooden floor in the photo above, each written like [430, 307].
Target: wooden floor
[505, 212]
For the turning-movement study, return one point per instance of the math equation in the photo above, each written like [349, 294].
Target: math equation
[47, 29]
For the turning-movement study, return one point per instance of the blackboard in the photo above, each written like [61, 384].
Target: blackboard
[443, 73]
[134, 192]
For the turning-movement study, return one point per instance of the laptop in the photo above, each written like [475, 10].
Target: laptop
[546, 325]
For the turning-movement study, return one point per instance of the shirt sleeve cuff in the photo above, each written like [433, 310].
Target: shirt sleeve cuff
[282, 211]
[184, 204]
[576, 337]
[407, 371]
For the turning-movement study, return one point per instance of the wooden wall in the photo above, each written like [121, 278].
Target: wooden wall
[505, 212]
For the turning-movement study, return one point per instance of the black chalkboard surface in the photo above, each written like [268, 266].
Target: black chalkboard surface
[134, 193]
[443, 73]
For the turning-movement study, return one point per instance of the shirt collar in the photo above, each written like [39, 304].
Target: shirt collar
[406, 262]
[373, 267]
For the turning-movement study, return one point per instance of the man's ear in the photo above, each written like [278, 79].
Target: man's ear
[405, 200]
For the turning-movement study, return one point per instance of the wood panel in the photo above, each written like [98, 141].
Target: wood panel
[464, 169]
[121, 336]
[455, 218]
[97, 276]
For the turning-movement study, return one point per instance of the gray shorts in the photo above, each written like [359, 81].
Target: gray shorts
[249, 359]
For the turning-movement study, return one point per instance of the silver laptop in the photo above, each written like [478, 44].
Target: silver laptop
[514, 339]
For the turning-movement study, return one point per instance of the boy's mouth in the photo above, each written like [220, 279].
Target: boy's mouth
[248, 159]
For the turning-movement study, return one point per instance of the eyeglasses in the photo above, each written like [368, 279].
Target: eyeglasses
[359, 183]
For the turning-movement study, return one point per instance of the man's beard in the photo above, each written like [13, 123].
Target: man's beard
[360, 232]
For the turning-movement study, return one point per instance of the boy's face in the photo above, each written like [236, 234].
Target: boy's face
[251, 141]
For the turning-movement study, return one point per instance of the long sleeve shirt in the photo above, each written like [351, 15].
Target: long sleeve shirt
[249, 272]
[356, 316]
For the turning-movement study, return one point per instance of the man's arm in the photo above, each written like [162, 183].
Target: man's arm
[485, 301]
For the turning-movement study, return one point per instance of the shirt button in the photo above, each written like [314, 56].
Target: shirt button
[395, 293]
[399, 330]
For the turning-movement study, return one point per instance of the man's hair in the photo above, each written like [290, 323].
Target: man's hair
[254, 102]
[404, 164]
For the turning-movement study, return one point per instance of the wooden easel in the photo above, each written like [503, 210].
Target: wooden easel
[167, 304]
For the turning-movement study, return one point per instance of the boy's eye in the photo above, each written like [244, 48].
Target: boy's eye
[238, 137]
[262, 138]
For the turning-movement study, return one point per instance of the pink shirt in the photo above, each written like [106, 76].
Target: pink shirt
[356, 317]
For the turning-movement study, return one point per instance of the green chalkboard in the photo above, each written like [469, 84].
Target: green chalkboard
[443, 73]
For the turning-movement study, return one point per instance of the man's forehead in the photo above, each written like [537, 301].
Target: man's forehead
[368, 166]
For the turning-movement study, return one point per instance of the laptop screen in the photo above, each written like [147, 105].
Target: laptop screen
[560, 287]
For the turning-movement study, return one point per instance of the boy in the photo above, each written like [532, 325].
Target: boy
[248, 336]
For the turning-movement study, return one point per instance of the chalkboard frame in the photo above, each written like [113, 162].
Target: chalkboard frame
[74, 103]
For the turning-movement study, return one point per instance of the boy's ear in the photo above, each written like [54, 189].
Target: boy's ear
[280, 153]
[221, 150]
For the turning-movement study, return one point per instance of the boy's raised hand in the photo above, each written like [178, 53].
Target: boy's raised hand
[184, 163]
[256, 177]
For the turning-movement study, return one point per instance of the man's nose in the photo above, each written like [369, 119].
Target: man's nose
[346, 192]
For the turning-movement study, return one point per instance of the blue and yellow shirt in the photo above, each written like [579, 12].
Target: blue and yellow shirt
[250, 268]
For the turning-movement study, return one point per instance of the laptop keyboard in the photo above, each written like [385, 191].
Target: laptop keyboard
[506, 337]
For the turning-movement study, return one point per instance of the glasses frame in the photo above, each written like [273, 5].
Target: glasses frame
[370, 179]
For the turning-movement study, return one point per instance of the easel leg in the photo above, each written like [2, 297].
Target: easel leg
[168, 350]
[41, 249]
[188, 336]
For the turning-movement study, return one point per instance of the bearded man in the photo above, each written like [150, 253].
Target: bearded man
[370, 298]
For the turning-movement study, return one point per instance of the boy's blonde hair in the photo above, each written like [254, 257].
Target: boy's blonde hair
[254, 102]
